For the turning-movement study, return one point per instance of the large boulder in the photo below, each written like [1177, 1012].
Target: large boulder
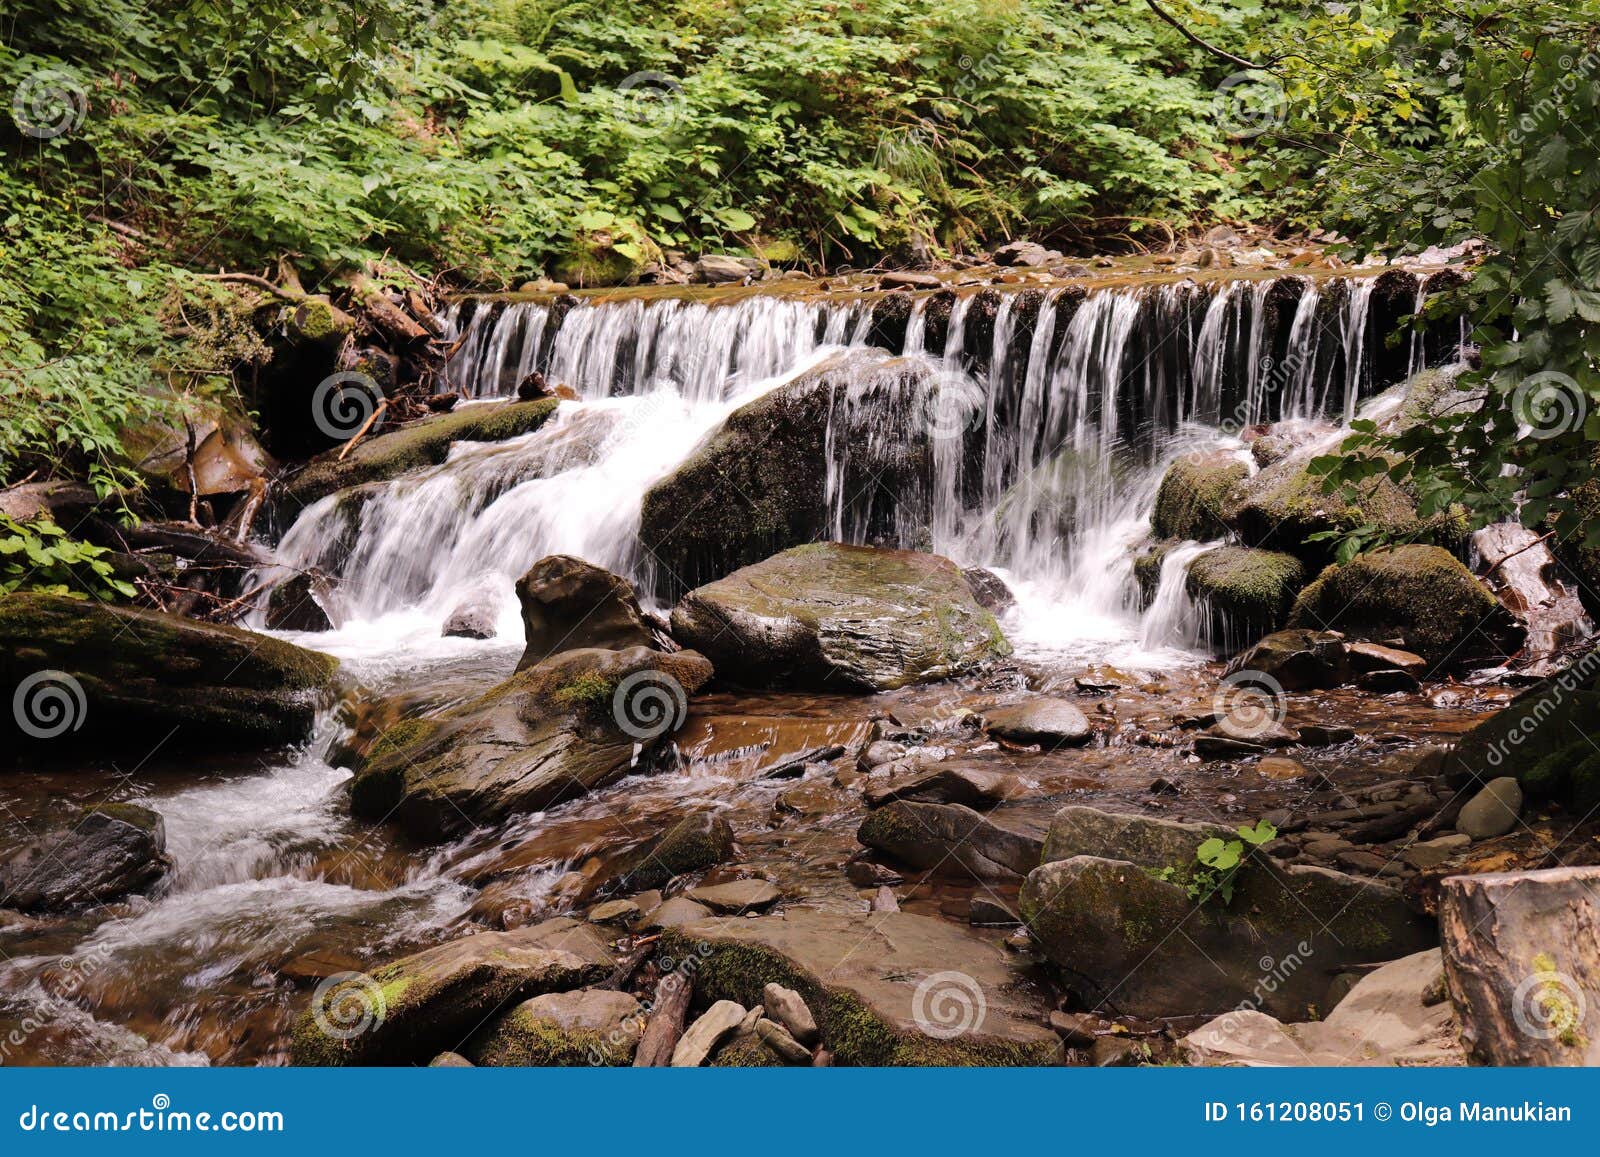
[423, 443]
[1194, 496]
[1149, 841]
[564, 1029]
[889, 988]
[1246, 592]
[568, 603]
[1047, 721]
[1548, 737]
[410, 1010]
[836, 617]
[110, 852]
[1297, 660]
[694, 843]
[1419, 597]
[1284, 505]
[88, 675]
[761, 482]
[953, 839]
[573, 723]
[1110, 924]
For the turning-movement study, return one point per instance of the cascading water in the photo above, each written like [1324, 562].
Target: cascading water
[1055, 415]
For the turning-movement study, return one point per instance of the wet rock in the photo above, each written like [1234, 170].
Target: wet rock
[1387, 682]
[614, 912]
[1246, 592]
[568, 604]
[1388, 1018]
[1368, 657]
[948, 837]
[1149, 841]
[109, 852]
[564, 1029]
[568, 725]
[1050, 723]
[1519, 952]
[673, 913]
[987, 913]
[1417, 594]
[1109, 923]
[758, 484]
[1194, 494]
[1300, 660]
[737, 896]
[695, 842]
[475, 618]
[709, 1030]
[1366, 863]
[1493, 811]
[788, 1008]
[1319, 735]
[838, 617]
[906, 280]
[424, 443]
[884, 901]
[890, 988]
[299, 602]
[866, 874]
[1279, 768]
[1431, 853]
[723, 269]
[794, 766]
[411, 1009]
[964, 785]
[135, 678]
[879, 752]
[989, 589]
[1225, 747]
[1024, 253]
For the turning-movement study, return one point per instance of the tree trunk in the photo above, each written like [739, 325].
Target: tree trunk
[1522, 958]
[666, 1022]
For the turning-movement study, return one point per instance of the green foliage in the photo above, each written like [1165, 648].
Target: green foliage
[38, 556]
[1217, 863]
[1501, 103]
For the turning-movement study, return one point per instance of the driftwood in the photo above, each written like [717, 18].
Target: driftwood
[666, 1022]
[1522, 960]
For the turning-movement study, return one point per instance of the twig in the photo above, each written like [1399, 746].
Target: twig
[1526, 546]
[1209, 47]
[377, 412]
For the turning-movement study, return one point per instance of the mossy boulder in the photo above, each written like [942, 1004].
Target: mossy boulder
[1548, 737]
[1246, 592]
[759, 483]
[408, 1011]
[422, 443]
[886, 988]
[1108, 924]
[954, 839]
[1417, 597]
[694, 843]
[564, 1030]
[87, 675]
[836, 617]
[108, 852]
[568, 603]
[1149, 841]
[563, 727]
[1194, 495]
[598, 258]
[1298, 660]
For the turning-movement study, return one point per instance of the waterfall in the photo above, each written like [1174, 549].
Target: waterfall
[1052, 415]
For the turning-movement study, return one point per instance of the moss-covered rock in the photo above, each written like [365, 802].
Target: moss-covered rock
[598, 258]
[759, 483]
[694, 843]
[563, 727]
[886, 988]
[1147, 569]
[1246, 592]
[423, 443]
[1194, 496]
[106, 854]
[954, 839]
[840, 617]
[568, 603]
[138, 677]
[410, 1010]
[745, 1050]
[1419, 597]
[1109, 925]
[564, 1029]
[1148, 841]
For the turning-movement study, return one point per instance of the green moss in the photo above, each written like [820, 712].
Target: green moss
[523, 1040]
[423, 443]
[590, 689]
[1194, 496]
[745, 1051]
[1249, 592]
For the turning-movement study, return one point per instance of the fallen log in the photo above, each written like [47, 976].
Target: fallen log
[666, 1022]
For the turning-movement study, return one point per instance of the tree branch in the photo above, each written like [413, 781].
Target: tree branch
[1209, 47]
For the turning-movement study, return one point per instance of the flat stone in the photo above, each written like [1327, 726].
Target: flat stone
[592, 1026]
[737, 896]
[963, 785]
[886, 988]
[948, 837]
[1279, 768]
[1366, 657]
[777, 1038]
[1386, 681]
[1210, 747]
[1149, 841]
[613, 912]
[1493, 811]
[672, 913]
[1045, 721]
[1318, 735]
[788, 1008]
[702, 1037]
[1355, 860]
[1432, 853]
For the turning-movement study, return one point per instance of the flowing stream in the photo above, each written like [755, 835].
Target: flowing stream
[1065, 409]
